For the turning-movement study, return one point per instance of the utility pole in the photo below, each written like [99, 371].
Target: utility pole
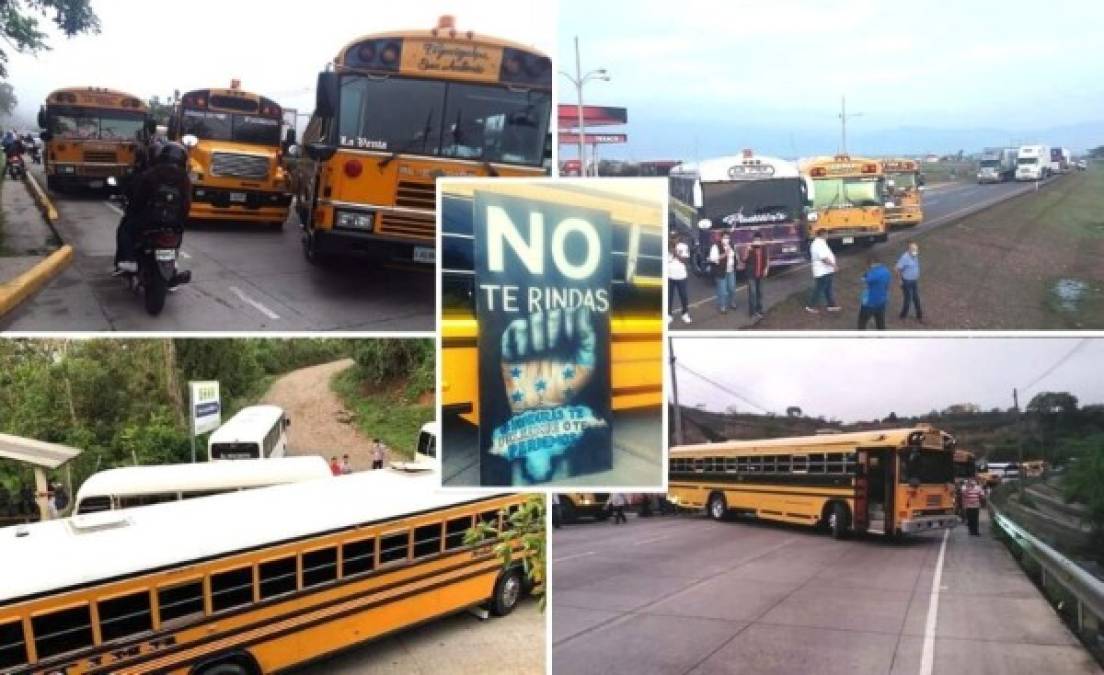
[674, 393]
[579, 79]
[843, 123]
[1019, 437]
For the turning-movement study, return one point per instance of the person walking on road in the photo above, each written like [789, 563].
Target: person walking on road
[677, 258]
[874, 295]
[972, 496]
[617, 504]
[722, 261]
[379, 453]
[757, 263]
[346, 468]
[557, 515]
[908, 268]
[335, 467]
[824, 270]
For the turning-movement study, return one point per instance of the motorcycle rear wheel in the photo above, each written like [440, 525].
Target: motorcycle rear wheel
[155, 289]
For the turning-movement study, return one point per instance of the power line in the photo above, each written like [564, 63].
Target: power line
[722, 387]
[1058, 364]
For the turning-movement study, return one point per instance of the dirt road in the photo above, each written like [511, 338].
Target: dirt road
[320, 424]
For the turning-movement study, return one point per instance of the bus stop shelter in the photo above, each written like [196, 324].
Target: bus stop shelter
[42, 456]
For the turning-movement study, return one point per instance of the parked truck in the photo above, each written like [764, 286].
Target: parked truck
[997, 165]
[1059, 160]
[1032, 162]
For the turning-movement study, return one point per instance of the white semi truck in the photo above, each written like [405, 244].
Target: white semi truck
[1032, 162]
[997, 165]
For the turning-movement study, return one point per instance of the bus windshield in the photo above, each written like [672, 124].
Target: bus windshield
[758, 202]
[927, 467]
[96, 125]
[847, 192]
[902, 180]
[235, 451]
[1027, 160]
[444, 119]
[218, 126]
[989, 163]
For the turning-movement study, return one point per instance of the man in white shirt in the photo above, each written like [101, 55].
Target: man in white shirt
[824, 270]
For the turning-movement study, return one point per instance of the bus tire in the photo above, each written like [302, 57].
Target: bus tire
[276, 225]
[567, 511]
[839, 520]
[239, 663]
[310, 250]
[507, 592]
[718, 507]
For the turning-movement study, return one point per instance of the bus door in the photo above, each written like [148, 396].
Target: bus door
[862, 492]
[880, 476]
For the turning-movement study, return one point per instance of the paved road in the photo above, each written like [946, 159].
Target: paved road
[943, 204]
[683, 594]
[246, 277]
[457, 644]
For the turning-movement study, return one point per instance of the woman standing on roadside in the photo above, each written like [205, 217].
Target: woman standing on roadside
[677, 256]
[722, 265]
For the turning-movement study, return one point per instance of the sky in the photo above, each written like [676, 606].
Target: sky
[275, 47]
[854, 379]
[702, 79]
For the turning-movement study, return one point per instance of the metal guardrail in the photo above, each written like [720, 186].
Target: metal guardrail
[1086, 590]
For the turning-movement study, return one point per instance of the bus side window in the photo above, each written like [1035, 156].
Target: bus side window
[455, 530]
[125, 615]
[179, 601]
[490, 517]
[394, 547]
[278, 577]
[358, 557]
[816, 463]
[319, 566]
[64, 631]
[427, 540]
[13, 646]
[232, 588]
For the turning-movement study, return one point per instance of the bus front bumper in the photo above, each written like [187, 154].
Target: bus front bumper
[241, 205]
[926, 523]
[350, 243]
[906, 215]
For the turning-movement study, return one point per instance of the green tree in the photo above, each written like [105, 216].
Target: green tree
[160, 110]
[1052, 402]
[8, 101]
[524, 526]
[21, 24]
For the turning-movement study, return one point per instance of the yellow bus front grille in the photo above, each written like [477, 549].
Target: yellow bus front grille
[403, 225]
[100, 156]
[415, 195]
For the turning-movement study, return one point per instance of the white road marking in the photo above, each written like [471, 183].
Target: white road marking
[250, 301]
[571, 557]
[652, 540]
[114, 208]
[927, 656]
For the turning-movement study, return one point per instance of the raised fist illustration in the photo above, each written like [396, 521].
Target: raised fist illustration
[547, 358]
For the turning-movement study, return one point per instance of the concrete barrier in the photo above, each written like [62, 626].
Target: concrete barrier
[21, 287]
[49, 211]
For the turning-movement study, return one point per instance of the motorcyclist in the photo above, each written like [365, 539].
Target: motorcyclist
[167, 169]
[14, 150]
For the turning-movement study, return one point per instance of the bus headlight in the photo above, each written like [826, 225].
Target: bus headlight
[354, 220]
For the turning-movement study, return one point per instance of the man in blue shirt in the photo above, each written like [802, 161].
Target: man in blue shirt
[875, 294]
[908, 267]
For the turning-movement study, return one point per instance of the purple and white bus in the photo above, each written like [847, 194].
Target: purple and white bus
[741, 194]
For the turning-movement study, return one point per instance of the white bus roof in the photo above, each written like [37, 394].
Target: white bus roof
[247, 423]
[715, 170]
[222, 476]
[57, 554]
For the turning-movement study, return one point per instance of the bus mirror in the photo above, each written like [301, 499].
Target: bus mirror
[289, 137]
[46, 136]
[325, 101]
[189, 141]
[294, 151]
[320, 152]
[914, 482]
[151, 126]
[42, 118]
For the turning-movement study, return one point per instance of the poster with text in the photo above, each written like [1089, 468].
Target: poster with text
[543, 305]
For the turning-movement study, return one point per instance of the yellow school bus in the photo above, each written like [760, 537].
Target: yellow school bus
[903, 183]
[91, 134]
[399, 110]
[249, 582]
[575, 505]
[236, 169]
[891, 481]
[636, 325]
[848, 197]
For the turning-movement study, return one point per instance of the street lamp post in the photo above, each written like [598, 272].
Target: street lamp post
[843, 120]
[579, 80]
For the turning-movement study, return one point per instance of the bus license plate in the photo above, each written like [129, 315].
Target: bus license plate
[789, 249]
[424, 254]
[237, 197]
[849, 240]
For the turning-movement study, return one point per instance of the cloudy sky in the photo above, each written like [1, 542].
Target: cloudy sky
[702, 78]
[865, 378]
[275, 47]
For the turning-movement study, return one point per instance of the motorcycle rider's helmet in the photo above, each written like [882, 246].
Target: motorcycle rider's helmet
[171, 154]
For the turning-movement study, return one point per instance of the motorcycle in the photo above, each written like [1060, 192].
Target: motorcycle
[36, 154]
[16, 168]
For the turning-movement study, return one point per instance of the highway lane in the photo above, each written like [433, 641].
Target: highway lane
[684, 594]
[245, 277]
[943, 204]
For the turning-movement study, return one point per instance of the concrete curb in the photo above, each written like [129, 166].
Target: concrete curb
[49, 212]
[20, 288]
